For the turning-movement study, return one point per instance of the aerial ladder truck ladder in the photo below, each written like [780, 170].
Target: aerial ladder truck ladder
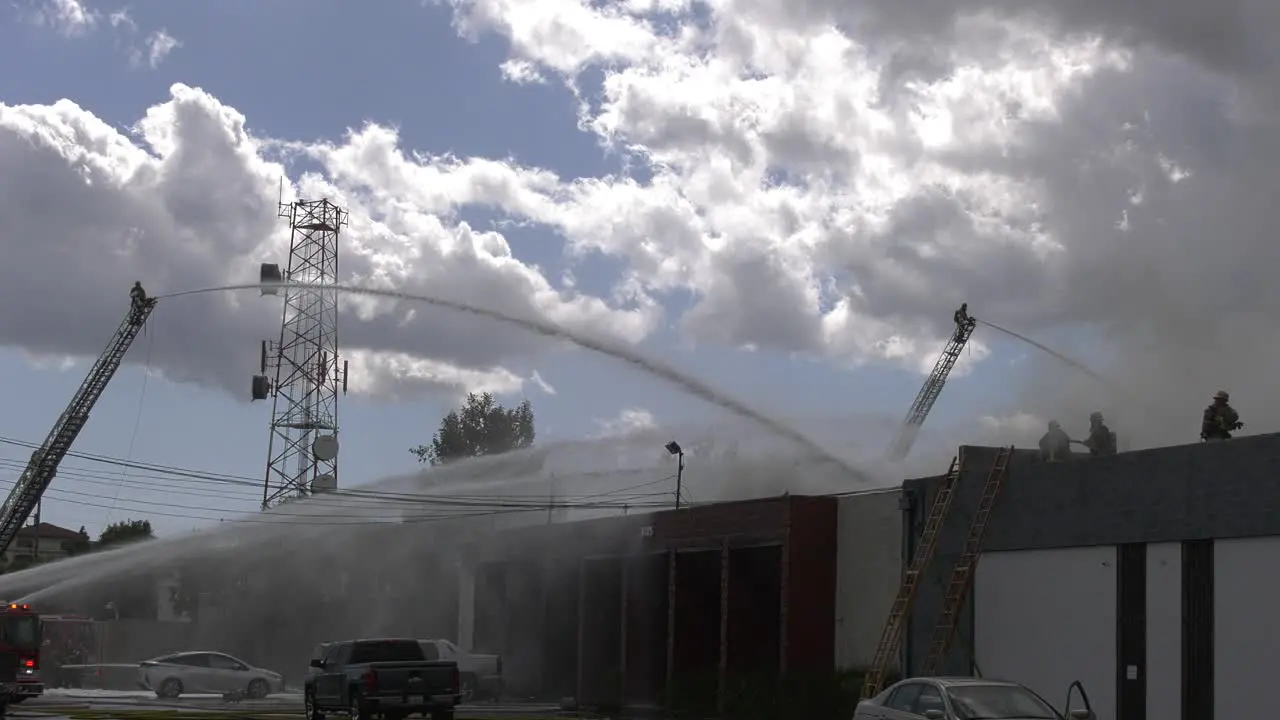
[929, 392]
[961, 576]
[35, 479]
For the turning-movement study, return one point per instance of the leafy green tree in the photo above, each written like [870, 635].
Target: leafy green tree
[125, 531]
[482, 426]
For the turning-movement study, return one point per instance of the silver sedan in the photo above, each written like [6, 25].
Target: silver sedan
[960, 699]
[206, 672]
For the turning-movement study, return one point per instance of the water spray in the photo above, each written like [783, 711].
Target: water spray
[652, 366]
[1045, 348]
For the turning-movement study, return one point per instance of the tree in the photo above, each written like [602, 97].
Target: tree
[125, 531]
[482, 426]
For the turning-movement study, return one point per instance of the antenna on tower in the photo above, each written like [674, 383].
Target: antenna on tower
[302, 452]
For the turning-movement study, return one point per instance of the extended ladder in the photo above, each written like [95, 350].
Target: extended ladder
[962, 574]
[891, 637]
[929, 392]
[44, 463]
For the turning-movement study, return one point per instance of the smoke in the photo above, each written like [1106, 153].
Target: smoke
[1157, 206]
[383, 558]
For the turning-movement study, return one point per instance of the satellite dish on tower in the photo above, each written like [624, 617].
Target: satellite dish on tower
[324, 483]
[325, 448]
[269, 275]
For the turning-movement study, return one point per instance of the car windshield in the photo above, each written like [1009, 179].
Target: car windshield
[999, 702]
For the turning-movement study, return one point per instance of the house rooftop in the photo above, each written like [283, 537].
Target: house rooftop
[49, 531]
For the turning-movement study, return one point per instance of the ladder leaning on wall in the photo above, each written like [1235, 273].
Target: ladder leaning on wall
[961, 574]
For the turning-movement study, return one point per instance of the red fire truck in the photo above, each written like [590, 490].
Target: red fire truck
[20, 639]
[67, 658]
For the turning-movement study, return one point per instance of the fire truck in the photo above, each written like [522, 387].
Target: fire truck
[20, 640]
[67, 657]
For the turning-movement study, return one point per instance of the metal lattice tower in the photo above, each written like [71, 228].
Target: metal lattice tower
[302, 453]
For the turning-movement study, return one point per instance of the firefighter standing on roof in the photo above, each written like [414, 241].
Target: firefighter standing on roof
[1220, 419]
[1056, 444]
[1101, 440]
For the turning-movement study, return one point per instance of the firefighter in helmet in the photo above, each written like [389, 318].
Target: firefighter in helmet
[137, 295]
[963, 320]
[1220, 419]
[1055, 444]
[1101, 441]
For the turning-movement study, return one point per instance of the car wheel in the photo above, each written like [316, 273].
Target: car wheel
[258, 689]
[309, 707]
[169, 689]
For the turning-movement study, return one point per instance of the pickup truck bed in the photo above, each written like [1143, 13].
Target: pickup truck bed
[381, 678]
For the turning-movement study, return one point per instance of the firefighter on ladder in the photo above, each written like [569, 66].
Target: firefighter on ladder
[138, 298]
[1219, 419]
[963, 321]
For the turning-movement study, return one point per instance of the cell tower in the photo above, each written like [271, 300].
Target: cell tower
[302, 452]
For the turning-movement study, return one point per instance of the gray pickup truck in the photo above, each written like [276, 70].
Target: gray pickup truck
[387, 678]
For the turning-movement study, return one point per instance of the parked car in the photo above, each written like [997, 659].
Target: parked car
[480, 675]
[388, 678]
[961, 699]
[206, 672]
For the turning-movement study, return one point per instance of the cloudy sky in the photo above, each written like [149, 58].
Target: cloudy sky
[786, 199]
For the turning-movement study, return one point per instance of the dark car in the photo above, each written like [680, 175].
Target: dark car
[388, 678]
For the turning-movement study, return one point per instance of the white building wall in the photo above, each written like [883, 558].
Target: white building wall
[1164, 630]
[1246, 627]
[869, 569]
[1047, 617]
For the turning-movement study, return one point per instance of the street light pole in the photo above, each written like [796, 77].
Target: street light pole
[674, 448]
[679, 477]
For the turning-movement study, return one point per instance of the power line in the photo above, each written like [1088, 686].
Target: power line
[275, 518]
[372, 497]
[171, 473]
[137, 420]
[248, 496]
[461, 509]
[174, 473]
[154, 467]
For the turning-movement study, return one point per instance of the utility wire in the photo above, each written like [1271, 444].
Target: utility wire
[173, 473]
[170, 473]
[137, 423]
[279, 518]
[459, 509]
[251, 499]
[496, 503]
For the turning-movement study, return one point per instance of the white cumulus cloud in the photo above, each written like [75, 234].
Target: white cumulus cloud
[824, 179]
